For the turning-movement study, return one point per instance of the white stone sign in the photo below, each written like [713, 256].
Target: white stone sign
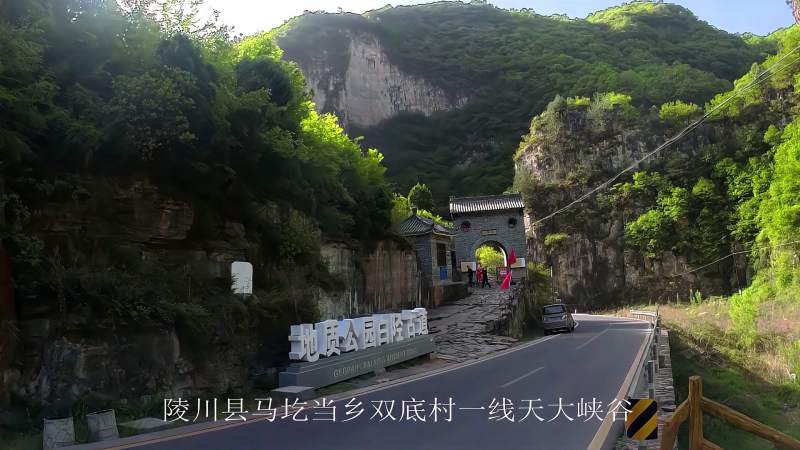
[329, 337]
[519, 264]
[241, 277]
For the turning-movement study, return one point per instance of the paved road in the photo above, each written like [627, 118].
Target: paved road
[591, 362]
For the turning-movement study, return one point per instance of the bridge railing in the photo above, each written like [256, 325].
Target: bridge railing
[695, 405]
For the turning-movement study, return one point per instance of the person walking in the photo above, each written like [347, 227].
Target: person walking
[470, 273]
[485, 278]
[479, 276]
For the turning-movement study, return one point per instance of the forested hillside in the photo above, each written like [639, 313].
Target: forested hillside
[510, 64]
[140, 154]
[711, 222]
[701, 198]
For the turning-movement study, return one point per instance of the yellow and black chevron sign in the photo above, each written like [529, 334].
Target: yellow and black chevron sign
[642, 421]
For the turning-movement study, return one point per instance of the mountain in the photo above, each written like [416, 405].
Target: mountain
[445, 90]
[714, 213]
[137, 163]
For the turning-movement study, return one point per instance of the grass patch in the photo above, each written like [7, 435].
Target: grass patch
[729, 382]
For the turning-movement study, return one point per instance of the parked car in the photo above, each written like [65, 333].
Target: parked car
[556, 317]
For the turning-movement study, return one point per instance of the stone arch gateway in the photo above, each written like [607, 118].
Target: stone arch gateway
[491, 243]
[489, 220]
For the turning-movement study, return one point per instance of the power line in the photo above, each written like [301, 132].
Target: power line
[759, 79]
[733, 254]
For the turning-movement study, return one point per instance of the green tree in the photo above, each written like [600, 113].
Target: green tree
[649, 233]
[420, 196]
[98, 95]
[490, 258]
[400, 208]
[678, 112]
[611, 110]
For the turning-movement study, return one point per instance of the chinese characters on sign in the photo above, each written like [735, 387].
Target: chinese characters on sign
[330, 337]
[411, 410]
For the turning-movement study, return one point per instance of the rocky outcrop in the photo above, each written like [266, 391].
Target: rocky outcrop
[592, 267]
[385, 280]
[363, 87]
[59, 353]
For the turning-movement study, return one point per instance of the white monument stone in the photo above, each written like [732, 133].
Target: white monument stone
[422, 318]
[241, 277]
[304, 343]
[395, 327]
[347, 336]
[330, 337]
[365, 332]
[382, 335]
[409, 328]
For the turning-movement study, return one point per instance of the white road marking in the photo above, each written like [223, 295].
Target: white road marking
[414, 378]
[591, 339]
[602, 433]
[521, 377]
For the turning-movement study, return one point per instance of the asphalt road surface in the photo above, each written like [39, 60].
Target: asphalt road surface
[590, 363]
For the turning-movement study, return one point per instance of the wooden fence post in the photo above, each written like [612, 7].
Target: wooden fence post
[695, 413]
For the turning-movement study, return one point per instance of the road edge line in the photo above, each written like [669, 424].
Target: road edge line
[603, 432]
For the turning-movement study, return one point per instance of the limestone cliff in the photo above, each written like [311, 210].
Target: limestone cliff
[591, 263]
[362, 86]
[68, 342]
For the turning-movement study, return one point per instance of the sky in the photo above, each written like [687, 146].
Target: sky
[737, 16]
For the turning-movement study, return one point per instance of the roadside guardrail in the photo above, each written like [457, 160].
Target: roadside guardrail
[649, 363]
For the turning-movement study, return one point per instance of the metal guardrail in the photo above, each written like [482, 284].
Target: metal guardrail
[648, 363]
[649, 316]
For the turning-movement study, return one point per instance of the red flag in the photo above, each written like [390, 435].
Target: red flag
[512, 258]
[507, 280]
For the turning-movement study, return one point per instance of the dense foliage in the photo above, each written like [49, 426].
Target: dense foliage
[420, 196]
[94, 95]
[510, 64]
[729, 188]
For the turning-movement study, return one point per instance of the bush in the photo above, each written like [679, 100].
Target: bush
[744, 313]
[555, 242]
[792, 354]
[678, 112]
[536, 293]
[435, 217]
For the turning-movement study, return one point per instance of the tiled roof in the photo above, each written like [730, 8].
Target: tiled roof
[416, 225]
[485, 203]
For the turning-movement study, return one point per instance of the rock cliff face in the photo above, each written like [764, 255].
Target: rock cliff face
[591, 266]
[362, 86]
[389, 281]
[53, 360]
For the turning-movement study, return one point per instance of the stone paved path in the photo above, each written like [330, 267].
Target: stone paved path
[467, 329]
[463, 330]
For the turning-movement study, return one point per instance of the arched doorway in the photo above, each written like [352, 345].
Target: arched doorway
[491, 255]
